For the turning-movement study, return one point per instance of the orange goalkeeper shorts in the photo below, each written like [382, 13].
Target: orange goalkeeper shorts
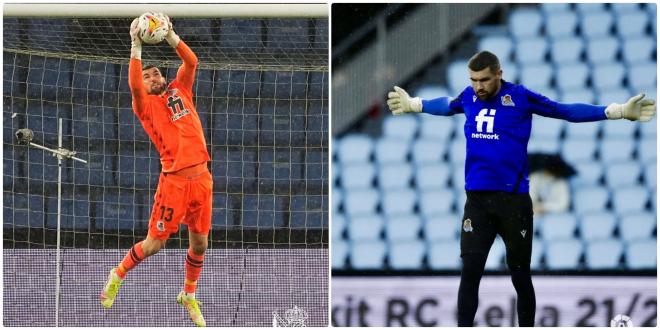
[182, 200]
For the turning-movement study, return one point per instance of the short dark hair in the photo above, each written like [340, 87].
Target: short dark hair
[484, 59]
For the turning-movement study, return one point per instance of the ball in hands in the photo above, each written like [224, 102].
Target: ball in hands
[153, 27]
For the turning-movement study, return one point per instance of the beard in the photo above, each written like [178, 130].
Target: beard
[157, 89]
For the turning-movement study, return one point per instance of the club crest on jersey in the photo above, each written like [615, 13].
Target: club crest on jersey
[507, 101]
[467, 225]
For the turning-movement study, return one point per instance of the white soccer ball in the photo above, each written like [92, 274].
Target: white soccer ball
[153, 27]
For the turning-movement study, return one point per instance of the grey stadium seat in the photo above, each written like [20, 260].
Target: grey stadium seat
[604, 254]
[602, 49]
[596, 226]
[403, 227]
[531, 51]
[368, 254]
[396, 202]
[406, 254]
[622, 174]
[362, 228]
[563, 254]
[391, 150]
[561, 24]
[444, 255]
[590, 199]
[566, 50]
[525, 22]
[642, 254]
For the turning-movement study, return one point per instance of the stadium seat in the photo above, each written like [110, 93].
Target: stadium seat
[649, 129]
[403, 227]
[396, 202]
[596, 24]
[596, 226]
[367, 254]
[617, 95]
[585, 95]
[631, 199]
[391, 150]
[406, 255]
[457, 77]
[588, 174]
[442, 227]
[650, 175]
[566, 50]
[622, 174]
[543, 145]
[355, 148]
[339, 253]
[578, 149]
[357, 176]
[432, 176]
[622, 8]
[549, 8]
[338, 226]
[496, 256]
[572, 76]
[630, 24]
[360, 202]
[500, 45]
[642, 254]
[561, 24]
[445, 255]
[641, 76]
[603, 254]
[368, 227]
[563, 254]
[458, 178]
[457, 151]
[525, 22]
[558, 226]
[400, 127]
[549, 92]
[536, 76]
[602, 50]
[428, 150]
[612, 150]
[437, 128]
[337, 198]
[395, 176]
[429, 92]
[589, 7]
[531, 51]
[590, 199]
[546, 128]
[637, 226]
[608, 76]
[537, 254]
[510, 72]
[619, 129]
[435, 202]
[638, 49]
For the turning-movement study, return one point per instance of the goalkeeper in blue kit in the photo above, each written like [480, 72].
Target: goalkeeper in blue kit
[497, 128]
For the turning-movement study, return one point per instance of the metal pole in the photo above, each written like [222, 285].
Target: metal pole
[59, 215]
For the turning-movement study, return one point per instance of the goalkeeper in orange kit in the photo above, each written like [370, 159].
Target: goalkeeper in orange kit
[185, 188]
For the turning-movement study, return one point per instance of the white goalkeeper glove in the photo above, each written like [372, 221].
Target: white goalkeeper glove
[400, 102]
[171, 37]
[136, 43]
[637, 108]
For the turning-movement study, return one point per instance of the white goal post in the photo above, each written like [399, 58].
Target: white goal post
[263, 10]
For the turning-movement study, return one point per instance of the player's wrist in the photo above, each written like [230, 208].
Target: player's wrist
[415, 104]
[614, 111]
[172, 39]
[136, 50]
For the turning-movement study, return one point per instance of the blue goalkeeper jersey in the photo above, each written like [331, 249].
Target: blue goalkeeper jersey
[497, 132]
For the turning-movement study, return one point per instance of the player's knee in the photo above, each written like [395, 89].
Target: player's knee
[473, 265]
[199, 248]
[152, 246]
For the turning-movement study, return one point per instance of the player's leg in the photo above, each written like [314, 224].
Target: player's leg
[517, 231]
[477, 236]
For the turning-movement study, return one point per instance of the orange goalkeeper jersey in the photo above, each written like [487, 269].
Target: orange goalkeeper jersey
[171, 120]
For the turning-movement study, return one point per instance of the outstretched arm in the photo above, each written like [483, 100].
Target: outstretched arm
[400, 102]
[186, 73]
[135, 70]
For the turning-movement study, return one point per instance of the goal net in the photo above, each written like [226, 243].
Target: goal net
[261, 91]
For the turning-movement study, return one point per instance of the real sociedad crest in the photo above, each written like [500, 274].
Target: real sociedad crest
[507, 101]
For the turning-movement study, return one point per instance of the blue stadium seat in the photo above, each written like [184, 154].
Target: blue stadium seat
[650, 175]
[457, 77]
[360, 202]
[339, 253]
[391, 150]
[572, 76]
[525, 22]
[637, 226]
[355, 148]
[543, 145]
[403, 227]
[578, 149]
[649, 129]
[563, 254]
[429, 92]
[642, 254]
[546, 128]
[442, 227]
[617, 95]
[602, 49]
[496, 255]
[458, 178]
[500, 45]
[367, 254]
[558, 226]
[638, 49]
[590, 199]
[538, 249]
[585, 95]
[336, 173]
[550, 8]
[596, 24]
[338, 226]
[566, 50]
[589, 7]
[510, 72]
[398, 201]
[549, 92]
[623, 8]
[608, 76]
[438, 128]
[445, 255]
[641, 76]
[612, 150]
[622, 174]
[630, 24]
[400, 127]
[357, 175]
[621, 129]
[531, 51]
[536, 76]
[365, 228]
[457, 151]
[435, 202]
[595, 226]
[588, 174]
[432, 176]
[603, 254]
[561, 24]
[631, 199]
[406, 255]
[394, 176]
[428, 150]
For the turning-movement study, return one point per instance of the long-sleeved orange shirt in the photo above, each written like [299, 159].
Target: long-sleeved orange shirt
[171, 120]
